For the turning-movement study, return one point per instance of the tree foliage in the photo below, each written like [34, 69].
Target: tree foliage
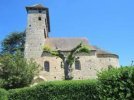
[116, 84]
[16, 71]
[3, 94]
[13, 42]
[69, 59]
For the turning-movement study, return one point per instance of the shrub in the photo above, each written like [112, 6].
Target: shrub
[16, 71]
[116, 84]
[60, 90]
[3, 94]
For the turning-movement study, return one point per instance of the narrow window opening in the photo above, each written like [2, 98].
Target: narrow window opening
[46, 66]
[46, 22]
[45, 33]
[40, 11]
[39, 18]
[77, 65]
[62, 65]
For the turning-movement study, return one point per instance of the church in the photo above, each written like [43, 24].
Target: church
[37, 36]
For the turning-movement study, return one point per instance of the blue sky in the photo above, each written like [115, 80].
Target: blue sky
[108, 24]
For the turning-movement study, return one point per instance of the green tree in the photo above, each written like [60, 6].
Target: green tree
[16, 71]
[13, 42]
[68, 59]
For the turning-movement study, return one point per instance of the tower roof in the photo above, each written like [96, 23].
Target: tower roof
[36, 6]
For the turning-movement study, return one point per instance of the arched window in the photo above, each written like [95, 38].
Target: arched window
[77, 65]
[46, 66]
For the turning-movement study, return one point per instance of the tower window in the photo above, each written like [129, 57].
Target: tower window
[46, 66]
[40, 11]
[77, 65]
[62, 65]
[46, 22]
[39, 18]
[45, 33]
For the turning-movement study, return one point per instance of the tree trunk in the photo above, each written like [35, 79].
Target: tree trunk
[67, 71]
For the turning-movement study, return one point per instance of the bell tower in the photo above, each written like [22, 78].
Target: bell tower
[37, 31]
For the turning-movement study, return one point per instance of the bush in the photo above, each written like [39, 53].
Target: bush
[3, 94]
[116, 84]
[60, 90]
[16, 71]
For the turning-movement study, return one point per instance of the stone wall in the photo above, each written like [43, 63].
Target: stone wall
[35, 34]
[90, 65]
[56, 72]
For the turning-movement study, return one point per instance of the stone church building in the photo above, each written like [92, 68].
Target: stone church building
[37, 36]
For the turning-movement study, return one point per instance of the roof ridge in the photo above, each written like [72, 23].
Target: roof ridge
[36, 6]
[68, 38]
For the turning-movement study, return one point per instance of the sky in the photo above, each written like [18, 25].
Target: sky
[108, 24]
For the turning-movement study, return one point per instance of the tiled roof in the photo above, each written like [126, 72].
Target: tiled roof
[66, 44]
[100, 51]
[103, 52]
